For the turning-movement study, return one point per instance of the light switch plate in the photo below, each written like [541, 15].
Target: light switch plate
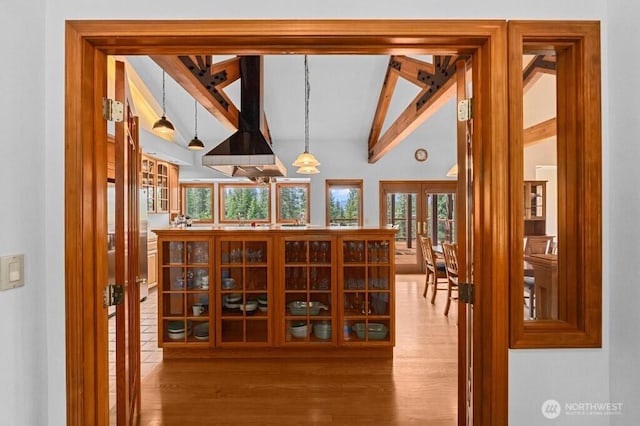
[11, 271]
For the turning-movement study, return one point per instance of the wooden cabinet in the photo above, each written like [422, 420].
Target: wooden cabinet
[318, 291]
[184, 313]
[162, 187]
[367, 288]
[174, 190]
[152, 259]
[243, 300]
[535, 209]
[308, 315]
[161, 180]
[148, 171]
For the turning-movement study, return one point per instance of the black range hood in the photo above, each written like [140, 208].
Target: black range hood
[247, 153]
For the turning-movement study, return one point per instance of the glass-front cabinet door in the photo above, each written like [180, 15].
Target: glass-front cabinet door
[367, 283]
[309, 313]
[184, 310]
[244, 288]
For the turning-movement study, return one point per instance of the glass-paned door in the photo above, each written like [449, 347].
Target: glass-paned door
[441, 219]
[417, 208]
[401, 212]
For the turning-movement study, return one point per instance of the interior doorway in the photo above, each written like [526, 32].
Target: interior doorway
[418, 208]
[88, 43]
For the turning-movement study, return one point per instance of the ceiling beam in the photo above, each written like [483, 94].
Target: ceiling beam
[411, 69]
[399, 66]
[539, 132]
[436, 81]
[440, 87]
[205, 82]
[388, 86]
[539, 65]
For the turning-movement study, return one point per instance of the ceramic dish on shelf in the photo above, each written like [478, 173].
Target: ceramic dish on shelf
[176, 331]
[232, 298]
[301, 329]
[228, 283]
[201, 331]
[262, 302]
[249, 307]
[322, 330]
[299, 307]
[374, 331]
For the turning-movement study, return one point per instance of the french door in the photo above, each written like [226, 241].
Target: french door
[418, 208]
[127, 205]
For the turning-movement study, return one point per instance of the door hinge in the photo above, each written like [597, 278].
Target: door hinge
[466, 293]
[465, 109]
[113, 295]
[112, 110]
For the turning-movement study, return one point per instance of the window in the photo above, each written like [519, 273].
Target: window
[344, 202]
[197, 201]
[556, 245]
[292, 202]
[245, 202]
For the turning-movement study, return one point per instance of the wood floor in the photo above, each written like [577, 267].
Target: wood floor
[417, 387]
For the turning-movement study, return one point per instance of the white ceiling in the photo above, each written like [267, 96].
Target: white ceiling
[342, 101]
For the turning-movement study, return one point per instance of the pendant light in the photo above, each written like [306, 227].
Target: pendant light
[196, 144]
[306, 161]
[163, 125]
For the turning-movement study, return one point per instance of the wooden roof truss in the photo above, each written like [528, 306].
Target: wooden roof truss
[437, 87]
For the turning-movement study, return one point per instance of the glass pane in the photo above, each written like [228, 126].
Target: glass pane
[539, 188]
[245, 203]
[344, 205]
[198, 203]
[401, 212]
[441, 221]
[293, 203]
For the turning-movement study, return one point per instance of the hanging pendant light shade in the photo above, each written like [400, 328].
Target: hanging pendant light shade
[306, 161]
[163, 125]
[308, 170]
[196, 144]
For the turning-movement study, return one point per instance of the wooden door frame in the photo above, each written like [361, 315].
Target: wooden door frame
[87, 45]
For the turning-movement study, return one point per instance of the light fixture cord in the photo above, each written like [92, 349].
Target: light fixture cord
[307, 89]
[164, 112]
[196, 119]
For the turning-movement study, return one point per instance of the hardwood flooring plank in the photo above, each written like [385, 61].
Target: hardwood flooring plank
[417, 387]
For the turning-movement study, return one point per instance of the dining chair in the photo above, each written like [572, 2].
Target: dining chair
[436, 271]
[450, 252]
[535, 244]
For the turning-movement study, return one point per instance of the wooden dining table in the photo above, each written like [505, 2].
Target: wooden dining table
[545, 273]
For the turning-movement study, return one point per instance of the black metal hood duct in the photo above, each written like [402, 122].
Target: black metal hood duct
[247, 153]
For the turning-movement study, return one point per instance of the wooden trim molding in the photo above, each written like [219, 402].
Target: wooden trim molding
[183, 199]
[578, 323]
[221, 202]
[89, 42]
[307, 187]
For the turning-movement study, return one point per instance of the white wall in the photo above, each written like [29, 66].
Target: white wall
[534, 375]
[23, 368]
[624, 206]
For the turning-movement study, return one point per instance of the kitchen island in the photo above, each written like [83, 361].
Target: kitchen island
[276, 291]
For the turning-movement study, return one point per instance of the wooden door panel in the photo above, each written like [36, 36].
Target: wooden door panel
[127, 163]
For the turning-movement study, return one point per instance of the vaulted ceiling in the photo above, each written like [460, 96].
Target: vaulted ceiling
[377, 101]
